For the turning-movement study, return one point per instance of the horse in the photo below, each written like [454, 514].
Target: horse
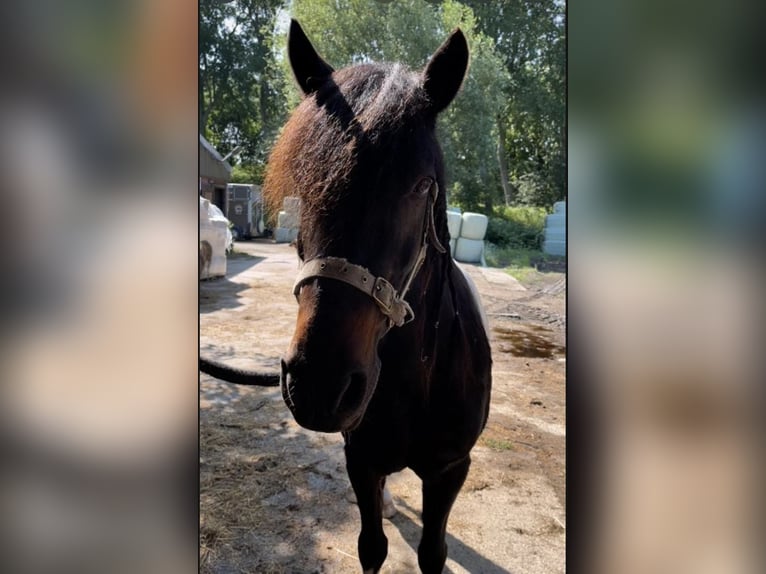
[390, 346]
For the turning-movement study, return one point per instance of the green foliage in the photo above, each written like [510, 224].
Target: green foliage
[503, 137]
[529, 35]
[523, 264]
[536, 189]
[517, 227]
[248, 173]
[497, 444]
[409, 31]
[241, 100]
[513, 257]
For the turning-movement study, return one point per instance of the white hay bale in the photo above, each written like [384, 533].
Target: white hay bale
[452, 243]
[469, 250]
[285, 235]
[454, 209]
[555, 234]
[453, 223]
[555, 247]
[292, 205]
[287, 220]
[474, 226]
[560, 207]
[556, 220]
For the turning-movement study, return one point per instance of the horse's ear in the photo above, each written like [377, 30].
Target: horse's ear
[445, 71]
[309, 68]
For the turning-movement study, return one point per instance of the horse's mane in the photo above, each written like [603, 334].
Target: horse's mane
[358, 108]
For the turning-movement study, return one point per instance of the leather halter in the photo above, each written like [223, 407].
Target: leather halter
[389, 301]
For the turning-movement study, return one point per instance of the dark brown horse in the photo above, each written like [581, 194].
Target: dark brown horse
[389, 346]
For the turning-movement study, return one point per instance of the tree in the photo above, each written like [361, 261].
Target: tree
[503, 137]
[409, 31]
[529, 36]
[241, 100]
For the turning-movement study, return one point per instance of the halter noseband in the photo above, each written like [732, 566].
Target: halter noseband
[391, 303]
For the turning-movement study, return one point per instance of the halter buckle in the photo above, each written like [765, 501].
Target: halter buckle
[383, 293]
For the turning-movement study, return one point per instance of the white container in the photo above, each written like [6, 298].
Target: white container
[292, 205]
[554, 247]
[469, 250]
[288, 220]
[285, 235]
[454, 221]
[474, 226]
[452, 243]
[556, 220]
[555, 233]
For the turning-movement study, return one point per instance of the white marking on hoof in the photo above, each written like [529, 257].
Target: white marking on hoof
[389, 510]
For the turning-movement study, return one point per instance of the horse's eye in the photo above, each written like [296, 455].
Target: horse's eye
[423, 186]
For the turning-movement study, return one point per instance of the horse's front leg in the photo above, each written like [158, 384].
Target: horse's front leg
[368, 487]
[439, 495]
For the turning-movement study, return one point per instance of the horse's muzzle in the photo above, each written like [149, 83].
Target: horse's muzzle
[324, 402]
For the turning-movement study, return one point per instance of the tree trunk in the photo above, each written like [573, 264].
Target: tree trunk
[502, 161]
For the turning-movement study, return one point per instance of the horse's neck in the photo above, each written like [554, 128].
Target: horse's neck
[429, 287]
[431, 303]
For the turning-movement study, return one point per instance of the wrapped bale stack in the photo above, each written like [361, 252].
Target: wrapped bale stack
[288, 220]
[555, 238]
[454, 220]
[469, 247]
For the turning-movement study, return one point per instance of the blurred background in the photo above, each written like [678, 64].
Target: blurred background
[665, 148]
[98, 403]
[665, 266]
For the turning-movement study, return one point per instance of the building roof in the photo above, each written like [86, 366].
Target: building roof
[220, 168]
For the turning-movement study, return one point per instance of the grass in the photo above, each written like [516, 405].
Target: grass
[511, 257]
[514, 243]
[497, 444]
[524, 264]
[521, 262]
[524, 275]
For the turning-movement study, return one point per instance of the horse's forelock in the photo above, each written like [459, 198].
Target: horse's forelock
[360, 106]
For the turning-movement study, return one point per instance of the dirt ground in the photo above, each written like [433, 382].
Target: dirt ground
[272, 495]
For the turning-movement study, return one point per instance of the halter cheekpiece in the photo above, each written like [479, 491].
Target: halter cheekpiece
[389, 301]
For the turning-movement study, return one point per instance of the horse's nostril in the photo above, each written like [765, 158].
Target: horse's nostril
[287, 376]
[284, 368]
[287, 384]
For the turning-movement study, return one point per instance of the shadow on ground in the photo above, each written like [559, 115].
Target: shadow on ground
[265, 487]
[467, 557]
[224, 292]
